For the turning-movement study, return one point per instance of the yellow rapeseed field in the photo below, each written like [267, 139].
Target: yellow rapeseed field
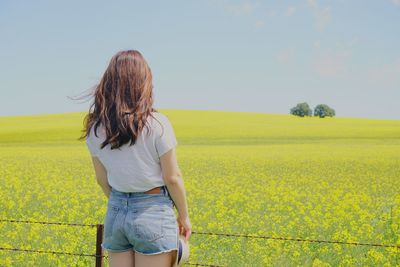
[245, 173]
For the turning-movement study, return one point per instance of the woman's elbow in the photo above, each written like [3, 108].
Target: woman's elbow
[172, 179]
[102, 180]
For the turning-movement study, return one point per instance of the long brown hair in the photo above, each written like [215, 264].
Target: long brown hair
[123, 100]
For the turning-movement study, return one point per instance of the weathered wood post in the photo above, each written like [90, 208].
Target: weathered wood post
[99, 249]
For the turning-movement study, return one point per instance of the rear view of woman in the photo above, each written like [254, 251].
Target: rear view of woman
[133, 154]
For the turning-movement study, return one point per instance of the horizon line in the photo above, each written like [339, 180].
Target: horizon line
[204, 110]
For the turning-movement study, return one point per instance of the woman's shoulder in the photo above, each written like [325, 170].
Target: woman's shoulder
[99, 133]
[161, 117]
[162, 121]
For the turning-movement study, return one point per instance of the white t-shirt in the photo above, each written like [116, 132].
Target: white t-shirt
[135, 168]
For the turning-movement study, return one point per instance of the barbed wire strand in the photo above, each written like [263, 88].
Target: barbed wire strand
[58, 223]
[52, 252]
[299, 239]
[235, 235]
[87, 255]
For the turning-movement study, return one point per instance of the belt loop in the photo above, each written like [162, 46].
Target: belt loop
[165, 190]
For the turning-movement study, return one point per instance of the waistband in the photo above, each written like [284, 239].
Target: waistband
[116, 193]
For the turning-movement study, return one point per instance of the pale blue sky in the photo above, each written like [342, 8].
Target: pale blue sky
[261, 56]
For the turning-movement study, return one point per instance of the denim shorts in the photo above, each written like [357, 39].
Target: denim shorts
[145, 223]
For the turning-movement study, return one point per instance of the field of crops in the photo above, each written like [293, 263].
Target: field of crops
[245, 173]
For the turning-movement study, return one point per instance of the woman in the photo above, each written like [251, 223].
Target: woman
[133, 154]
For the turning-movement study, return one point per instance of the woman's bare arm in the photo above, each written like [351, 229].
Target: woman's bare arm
[173, 180]
[101, 176]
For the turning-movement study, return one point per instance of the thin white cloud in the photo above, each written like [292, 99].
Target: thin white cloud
[396, 2]
[322, 16]
[290, 11]
[286, 56]
[312, 3]
[272, 13]
[240, 9]
[331, 63]
[353, 41]
[243, 7]
[259, 23]
[386, 75]
[347, 44]
[342, 46]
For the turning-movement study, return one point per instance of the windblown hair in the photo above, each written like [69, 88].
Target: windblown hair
[123, 100]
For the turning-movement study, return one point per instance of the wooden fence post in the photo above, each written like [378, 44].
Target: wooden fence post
[99, 249]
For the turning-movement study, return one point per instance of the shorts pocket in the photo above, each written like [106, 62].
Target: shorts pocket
[111, 215]
[148, 223]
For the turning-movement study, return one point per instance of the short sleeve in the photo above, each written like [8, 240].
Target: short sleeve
[166, 140]
[92, 149]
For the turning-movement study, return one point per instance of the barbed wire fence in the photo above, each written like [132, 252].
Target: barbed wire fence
[99, 255]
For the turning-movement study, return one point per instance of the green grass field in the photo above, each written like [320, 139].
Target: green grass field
[247, 173]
